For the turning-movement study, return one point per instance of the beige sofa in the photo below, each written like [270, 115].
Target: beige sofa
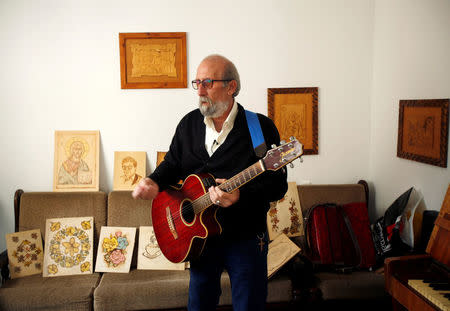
[292, 287]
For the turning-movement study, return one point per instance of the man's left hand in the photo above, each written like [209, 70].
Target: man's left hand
[222, 198]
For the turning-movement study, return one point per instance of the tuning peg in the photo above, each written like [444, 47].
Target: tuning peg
[301, 159]
[273, 146]
[282, 142]
[292, 138]
[291, 165]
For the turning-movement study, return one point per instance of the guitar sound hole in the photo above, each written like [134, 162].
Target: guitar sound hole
[187, 212]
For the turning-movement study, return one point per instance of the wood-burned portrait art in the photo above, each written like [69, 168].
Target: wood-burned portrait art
[25, 253]
[76, 163]
[423, 131]
[294, 112]
[129, 169]
[68, 246]
[153, 60]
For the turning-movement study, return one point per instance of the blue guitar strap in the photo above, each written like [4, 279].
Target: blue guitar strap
[256, 133]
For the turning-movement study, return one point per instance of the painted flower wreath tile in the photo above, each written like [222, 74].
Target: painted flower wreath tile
[115, 249]
[69, 246]
[25, 253]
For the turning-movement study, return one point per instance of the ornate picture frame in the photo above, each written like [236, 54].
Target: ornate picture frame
[153, 60]
[295, 113]
[423, 131]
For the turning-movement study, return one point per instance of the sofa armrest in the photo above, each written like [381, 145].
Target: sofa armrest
[4, 267]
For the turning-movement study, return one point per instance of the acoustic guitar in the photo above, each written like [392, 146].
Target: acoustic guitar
[183, 217]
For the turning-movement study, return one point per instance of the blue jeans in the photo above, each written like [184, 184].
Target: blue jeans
[246, 264]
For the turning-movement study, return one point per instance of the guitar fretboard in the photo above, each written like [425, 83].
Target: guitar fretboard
[231, 184]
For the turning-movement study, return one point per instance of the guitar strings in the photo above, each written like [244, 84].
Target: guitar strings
[178, 214]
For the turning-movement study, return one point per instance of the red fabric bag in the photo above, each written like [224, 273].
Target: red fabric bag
[339, 237]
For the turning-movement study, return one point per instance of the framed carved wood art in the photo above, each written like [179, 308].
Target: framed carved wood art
[423, 131]
[153, 60]
[294, 112]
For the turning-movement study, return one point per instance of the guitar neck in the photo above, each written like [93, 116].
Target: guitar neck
[230, 185]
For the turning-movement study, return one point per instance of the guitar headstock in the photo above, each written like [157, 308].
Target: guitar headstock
[282, 155]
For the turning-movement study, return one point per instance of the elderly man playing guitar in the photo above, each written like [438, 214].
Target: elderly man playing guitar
[216, 224]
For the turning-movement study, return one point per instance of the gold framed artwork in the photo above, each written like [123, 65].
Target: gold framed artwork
[129, 169]
[76, 162]
[423, 131]
[153, 60]
[295, 113]
[25, 253]
[285, 215]
[150, 256]
[68, 246]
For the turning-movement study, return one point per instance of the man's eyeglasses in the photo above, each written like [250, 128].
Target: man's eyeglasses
[207, 83]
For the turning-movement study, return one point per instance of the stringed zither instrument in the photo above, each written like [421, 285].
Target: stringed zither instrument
[184, 217]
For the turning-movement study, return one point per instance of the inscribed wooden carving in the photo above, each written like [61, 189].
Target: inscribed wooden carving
[295, 113]
[115, 249]
[68, 246]
[129, 168]
[76, 163]
[423, 131]
[153, 60]
[281, 250]
[25, 253]
[285, 215]
[150, 256]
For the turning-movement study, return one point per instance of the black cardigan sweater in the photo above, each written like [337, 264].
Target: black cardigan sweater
[187, 155]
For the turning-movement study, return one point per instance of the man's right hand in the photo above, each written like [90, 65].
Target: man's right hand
[147, 189]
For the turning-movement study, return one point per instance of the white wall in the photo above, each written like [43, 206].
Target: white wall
[411, 61]
[60, 71]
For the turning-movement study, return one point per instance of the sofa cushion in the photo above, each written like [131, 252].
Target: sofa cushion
[311, 195]
[34, 292]
[142, 289]
[355, 285]
[36, 207]
[157, 289]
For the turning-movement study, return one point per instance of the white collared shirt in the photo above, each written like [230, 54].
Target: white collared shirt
[214, 139]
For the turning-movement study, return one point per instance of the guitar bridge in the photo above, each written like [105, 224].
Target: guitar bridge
[171, 224]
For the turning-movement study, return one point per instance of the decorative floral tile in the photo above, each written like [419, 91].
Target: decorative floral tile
[25, 253]
[150, 256]
[68, 246]
[115, 249]
[285, 215]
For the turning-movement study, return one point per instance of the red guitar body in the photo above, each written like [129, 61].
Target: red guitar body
[182, 234]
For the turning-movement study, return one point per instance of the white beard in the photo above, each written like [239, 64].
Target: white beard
[213, 109]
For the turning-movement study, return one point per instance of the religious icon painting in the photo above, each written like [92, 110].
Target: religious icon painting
[115, 249]
[285, 216]
[129, 169]
[25, 253]
[68, 246]
[150, 256]
[76, 162]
